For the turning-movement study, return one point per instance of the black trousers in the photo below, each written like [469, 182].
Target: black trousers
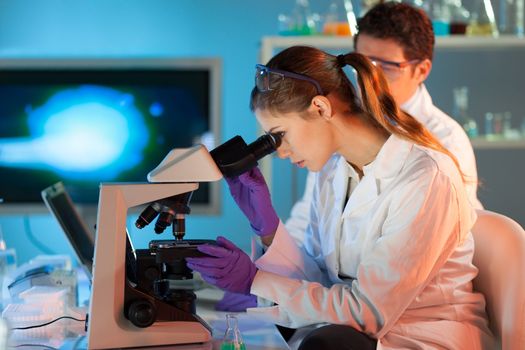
[337, 337]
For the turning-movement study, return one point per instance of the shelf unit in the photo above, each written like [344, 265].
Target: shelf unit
[484, 143]
[461, 42]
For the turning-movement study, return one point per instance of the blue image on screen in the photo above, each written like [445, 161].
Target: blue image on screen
[84, 133]
[83, 127]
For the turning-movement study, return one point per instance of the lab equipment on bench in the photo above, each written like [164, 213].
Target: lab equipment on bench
[44, 271]
[42, 291]
[232, 339]
[139, 296]
[62, 208]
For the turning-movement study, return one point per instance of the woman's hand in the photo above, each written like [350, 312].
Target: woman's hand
[227, 266]
[251, 194]
[236, 302]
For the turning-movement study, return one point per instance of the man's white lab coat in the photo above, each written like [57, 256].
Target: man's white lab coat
[447, 130]
[395, 263]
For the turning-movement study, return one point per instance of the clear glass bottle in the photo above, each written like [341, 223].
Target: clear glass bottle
[489, 125]
[232, 337]
[459, 17]
[303, 21]
[482, 19]
[461, 113]
[519, 26]
[366, 5]
[498, 124]
[440, 15]
[335, 21]
[507, 125]
[511, 17]
[284, 25]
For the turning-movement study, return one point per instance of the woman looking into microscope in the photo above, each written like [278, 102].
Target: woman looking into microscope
[387, 256]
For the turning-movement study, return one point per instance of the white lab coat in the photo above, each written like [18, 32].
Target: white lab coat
[404, 245]
[447, 130]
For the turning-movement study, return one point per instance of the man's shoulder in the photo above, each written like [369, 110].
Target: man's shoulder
[448, 130]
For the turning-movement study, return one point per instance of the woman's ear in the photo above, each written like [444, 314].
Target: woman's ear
[322, 107]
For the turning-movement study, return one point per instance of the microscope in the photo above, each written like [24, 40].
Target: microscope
[137, 298]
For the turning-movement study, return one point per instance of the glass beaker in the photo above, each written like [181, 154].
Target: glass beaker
[489, 125]
[507, 125]
[440, 16]
[302, 19]
[232, 339]
[460, 111]
[365, 5]
[482, 19]
[520, 18]
[459, 17]
[511, 17]
[498, 124]
[335, 20]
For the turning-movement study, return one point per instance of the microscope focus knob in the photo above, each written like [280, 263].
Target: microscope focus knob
[161, 288]
[142, 313]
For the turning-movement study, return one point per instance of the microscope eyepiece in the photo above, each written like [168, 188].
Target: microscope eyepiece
[235, 157]
[264, 145]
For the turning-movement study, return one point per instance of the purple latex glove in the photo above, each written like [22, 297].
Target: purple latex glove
[236, 302]
[253, 197]
[227, 267]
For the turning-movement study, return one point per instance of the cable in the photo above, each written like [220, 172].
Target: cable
[42, 345]
[47, 323]
[33, 239]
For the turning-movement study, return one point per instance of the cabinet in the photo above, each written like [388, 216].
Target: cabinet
[493, 70]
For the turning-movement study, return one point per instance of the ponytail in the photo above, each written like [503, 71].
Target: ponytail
[378, 105]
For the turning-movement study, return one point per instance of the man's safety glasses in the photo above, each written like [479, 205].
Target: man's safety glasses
[267, 79]
[392, 69]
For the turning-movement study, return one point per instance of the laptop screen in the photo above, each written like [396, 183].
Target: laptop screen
[62, 208]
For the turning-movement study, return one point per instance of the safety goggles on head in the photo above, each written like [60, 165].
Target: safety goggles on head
[267, 79]
[391, 69]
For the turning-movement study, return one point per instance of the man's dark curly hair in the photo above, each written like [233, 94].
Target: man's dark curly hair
[408, 26]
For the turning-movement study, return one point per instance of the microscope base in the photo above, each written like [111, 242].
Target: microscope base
[107, 325]
[160, 333]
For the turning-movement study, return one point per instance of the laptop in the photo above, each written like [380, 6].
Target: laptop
[61, 206]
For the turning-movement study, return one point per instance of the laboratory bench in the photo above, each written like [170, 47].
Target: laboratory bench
[70, 334]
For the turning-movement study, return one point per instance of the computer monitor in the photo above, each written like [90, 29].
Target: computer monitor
[89, 121]
[77, 233]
